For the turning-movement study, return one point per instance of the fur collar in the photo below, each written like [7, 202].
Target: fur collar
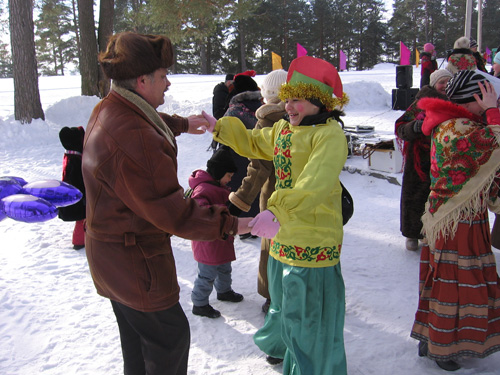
[268, 109]
[246, 96]
[438, 111]
[462, 51]
[429, 92]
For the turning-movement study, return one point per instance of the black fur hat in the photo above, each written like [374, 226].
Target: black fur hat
[244, 83]
[72, 138]
[221, 163]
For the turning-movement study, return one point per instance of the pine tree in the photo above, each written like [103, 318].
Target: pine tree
[5, 58]
[491, 16]
[5, 61]
[55, 44]
[331, 28]
[368, 32]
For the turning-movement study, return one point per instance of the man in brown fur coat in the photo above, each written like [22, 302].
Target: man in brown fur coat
[135, 204]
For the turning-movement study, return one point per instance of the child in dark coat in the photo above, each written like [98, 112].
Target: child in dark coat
[214, 257]
[72, 141]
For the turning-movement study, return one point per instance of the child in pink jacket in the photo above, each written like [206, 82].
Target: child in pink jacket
[214, 257]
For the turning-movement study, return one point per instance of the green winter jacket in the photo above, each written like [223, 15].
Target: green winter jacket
[307, 201]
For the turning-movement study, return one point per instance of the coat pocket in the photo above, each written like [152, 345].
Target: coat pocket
[160, 275]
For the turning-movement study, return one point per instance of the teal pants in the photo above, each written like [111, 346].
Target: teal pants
[305, 322]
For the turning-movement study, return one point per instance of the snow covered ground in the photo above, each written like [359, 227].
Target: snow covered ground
[53, 322]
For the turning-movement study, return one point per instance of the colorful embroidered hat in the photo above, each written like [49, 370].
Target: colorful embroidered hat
[312, 78]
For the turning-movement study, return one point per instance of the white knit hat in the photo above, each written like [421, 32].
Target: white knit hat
[272, 83]
[462, 42]
[437, 75]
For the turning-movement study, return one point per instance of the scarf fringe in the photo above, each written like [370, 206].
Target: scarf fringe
[448, 225]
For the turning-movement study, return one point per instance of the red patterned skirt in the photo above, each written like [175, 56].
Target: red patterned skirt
[459, 307]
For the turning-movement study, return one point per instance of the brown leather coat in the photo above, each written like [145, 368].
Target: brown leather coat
[134, 205]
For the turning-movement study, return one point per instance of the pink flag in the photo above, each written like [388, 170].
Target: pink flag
[488, 53]
[343, 61]
[404, 53]
[301, 51]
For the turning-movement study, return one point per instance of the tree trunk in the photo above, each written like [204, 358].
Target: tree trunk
[106, 16]
[27, 105]
[285, 34]
[203, 57]
[243, 54]
[209, 55]
[88, 48]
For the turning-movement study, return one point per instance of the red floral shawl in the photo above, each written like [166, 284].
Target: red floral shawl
[465, 164]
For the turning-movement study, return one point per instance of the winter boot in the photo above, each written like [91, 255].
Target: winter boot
[230, 296]
[247, 236]
[422, 349]
[412, 244]
[448, 365]
[207, 311]
[265, 306]
[273, 360]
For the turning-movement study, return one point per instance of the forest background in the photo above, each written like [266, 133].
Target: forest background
[58, 37]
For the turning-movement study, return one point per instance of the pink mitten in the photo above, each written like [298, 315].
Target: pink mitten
[265, 225]
[211, 121]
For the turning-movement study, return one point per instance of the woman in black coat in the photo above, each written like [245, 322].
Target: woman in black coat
[416, 155]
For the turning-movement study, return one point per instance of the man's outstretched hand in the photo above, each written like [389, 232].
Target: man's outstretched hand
[211, 121]
[197, 124]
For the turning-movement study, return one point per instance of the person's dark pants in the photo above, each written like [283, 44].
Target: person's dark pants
[153, 343]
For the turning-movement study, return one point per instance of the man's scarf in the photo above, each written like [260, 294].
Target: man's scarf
[148, 110]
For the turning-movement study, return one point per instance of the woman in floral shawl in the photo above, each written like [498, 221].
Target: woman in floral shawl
[459, 306]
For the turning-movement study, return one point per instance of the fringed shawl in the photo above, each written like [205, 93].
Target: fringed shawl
[465, 161]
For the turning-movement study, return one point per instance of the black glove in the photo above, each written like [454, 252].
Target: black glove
[417, 126]
[234, 210]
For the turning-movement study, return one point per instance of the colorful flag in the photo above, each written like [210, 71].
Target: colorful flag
[404, 54]
[343, 61]
[276, 59]
[301, 51]
[417, 58]
[488, 54]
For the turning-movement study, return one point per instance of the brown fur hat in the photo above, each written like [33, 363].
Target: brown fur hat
[129, 55]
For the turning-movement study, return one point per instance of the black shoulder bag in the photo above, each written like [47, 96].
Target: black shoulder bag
[347, 205]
